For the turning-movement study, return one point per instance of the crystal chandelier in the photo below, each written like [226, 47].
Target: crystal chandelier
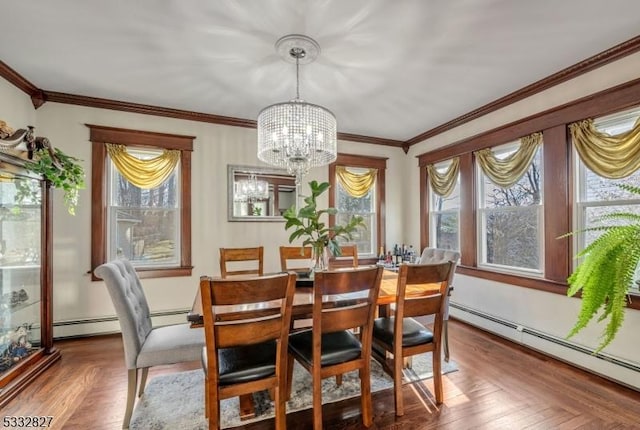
[297, 135]
[250, 190]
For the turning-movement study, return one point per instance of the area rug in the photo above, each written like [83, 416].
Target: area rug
[176, 401]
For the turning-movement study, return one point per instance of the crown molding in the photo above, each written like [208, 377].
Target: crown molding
[39, 97]
[94, 102]
[629, 47]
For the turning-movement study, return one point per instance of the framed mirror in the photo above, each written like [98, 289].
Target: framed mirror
[259, 193]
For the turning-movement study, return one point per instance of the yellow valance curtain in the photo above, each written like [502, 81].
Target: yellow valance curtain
[356, 184]
[444, 183]
[509, 170]
[611, 156]
[144, 174]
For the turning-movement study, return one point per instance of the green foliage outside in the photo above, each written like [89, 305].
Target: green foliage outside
[606, 274]
[62, 171]
[307, 223]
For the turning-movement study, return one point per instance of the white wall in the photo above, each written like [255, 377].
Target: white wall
[549, 314]
[76, 297]
[15, 107]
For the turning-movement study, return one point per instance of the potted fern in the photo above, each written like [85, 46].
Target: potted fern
[307, 225]
[606, 273]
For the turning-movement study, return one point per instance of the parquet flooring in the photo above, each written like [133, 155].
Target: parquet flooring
[499, 386]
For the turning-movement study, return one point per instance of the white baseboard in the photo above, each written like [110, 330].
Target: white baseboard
[108, 325]
[624, 372]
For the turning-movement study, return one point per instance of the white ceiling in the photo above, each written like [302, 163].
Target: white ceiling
[389, 69]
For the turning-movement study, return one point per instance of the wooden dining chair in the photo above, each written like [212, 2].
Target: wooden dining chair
[251, 256]
[343, 300]
[403, 336]
[291, 258]
[348, 257]
[246, 346]
[438, 255]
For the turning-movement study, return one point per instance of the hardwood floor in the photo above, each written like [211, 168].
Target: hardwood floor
[499, 386]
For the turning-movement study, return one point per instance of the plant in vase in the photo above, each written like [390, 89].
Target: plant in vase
[606, 274]
[308, 226]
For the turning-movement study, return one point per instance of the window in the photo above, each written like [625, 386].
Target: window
[510, 219]
[364, 206]
[143, 224]
[444, 215]
[150, 227]
[369, 206]
[596, 195]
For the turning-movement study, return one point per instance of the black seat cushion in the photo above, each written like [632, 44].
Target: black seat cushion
[245, 364]
[413, 333]
[337, 347]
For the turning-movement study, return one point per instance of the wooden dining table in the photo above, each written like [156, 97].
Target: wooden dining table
[302, 307]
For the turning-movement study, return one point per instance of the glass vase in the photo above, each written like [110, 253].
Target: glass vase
[319, 259]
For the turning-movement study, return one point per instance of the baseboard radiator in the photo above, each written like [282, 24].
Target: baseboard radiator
[103, 325]
[549, 338]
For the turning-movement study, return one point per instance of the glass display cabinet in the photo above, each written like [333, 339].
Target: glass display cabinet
[26, 335]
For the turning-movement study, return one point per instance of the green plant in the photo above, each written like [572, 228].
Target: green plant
[62, 171]
[607, 271]
[314, 232]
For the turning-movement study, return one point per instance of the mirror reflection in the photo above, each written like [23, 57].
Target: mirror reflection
[259, 194]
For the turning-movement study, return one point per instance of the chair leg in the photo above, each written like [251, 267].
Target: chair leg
[317, 400]
[206, 395]
[213, 408]
[437, 375]
[290, 363]
[445, 339]
[143, 380]
[397, 384]
[132, 377]
[280, 405]
[365, 394]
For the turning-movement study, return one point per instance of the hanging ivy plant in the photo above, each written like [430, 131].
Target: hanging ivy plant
[62, 171]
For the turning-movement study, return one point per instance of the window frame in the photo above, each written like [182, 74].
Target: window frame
[558, 165]
[581, 205]
[482, 210]
[433, 234]
[369, 162]
[99, 136]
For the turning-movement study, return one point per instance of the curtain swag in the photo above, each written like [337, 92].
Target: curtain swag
[443, 183]
[356, 184]
[144, 174]
[506, 172]
[611, 156]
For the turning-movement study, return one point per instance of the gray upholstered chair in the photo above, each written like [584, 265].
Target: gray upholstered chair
[144, 345]
[435, 256]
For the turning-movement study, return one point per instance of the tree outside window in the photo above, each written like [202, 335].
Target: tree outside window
[511, 219]
[144, 223]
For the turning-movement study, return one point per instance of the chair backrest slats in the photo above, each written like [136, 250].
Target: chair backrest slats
[253, 256]
[248, 333]
[344, 318]
[350, 310]
[348, 257]
[434, 304]
[423, 306]
[297, 254]
[233, 309]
